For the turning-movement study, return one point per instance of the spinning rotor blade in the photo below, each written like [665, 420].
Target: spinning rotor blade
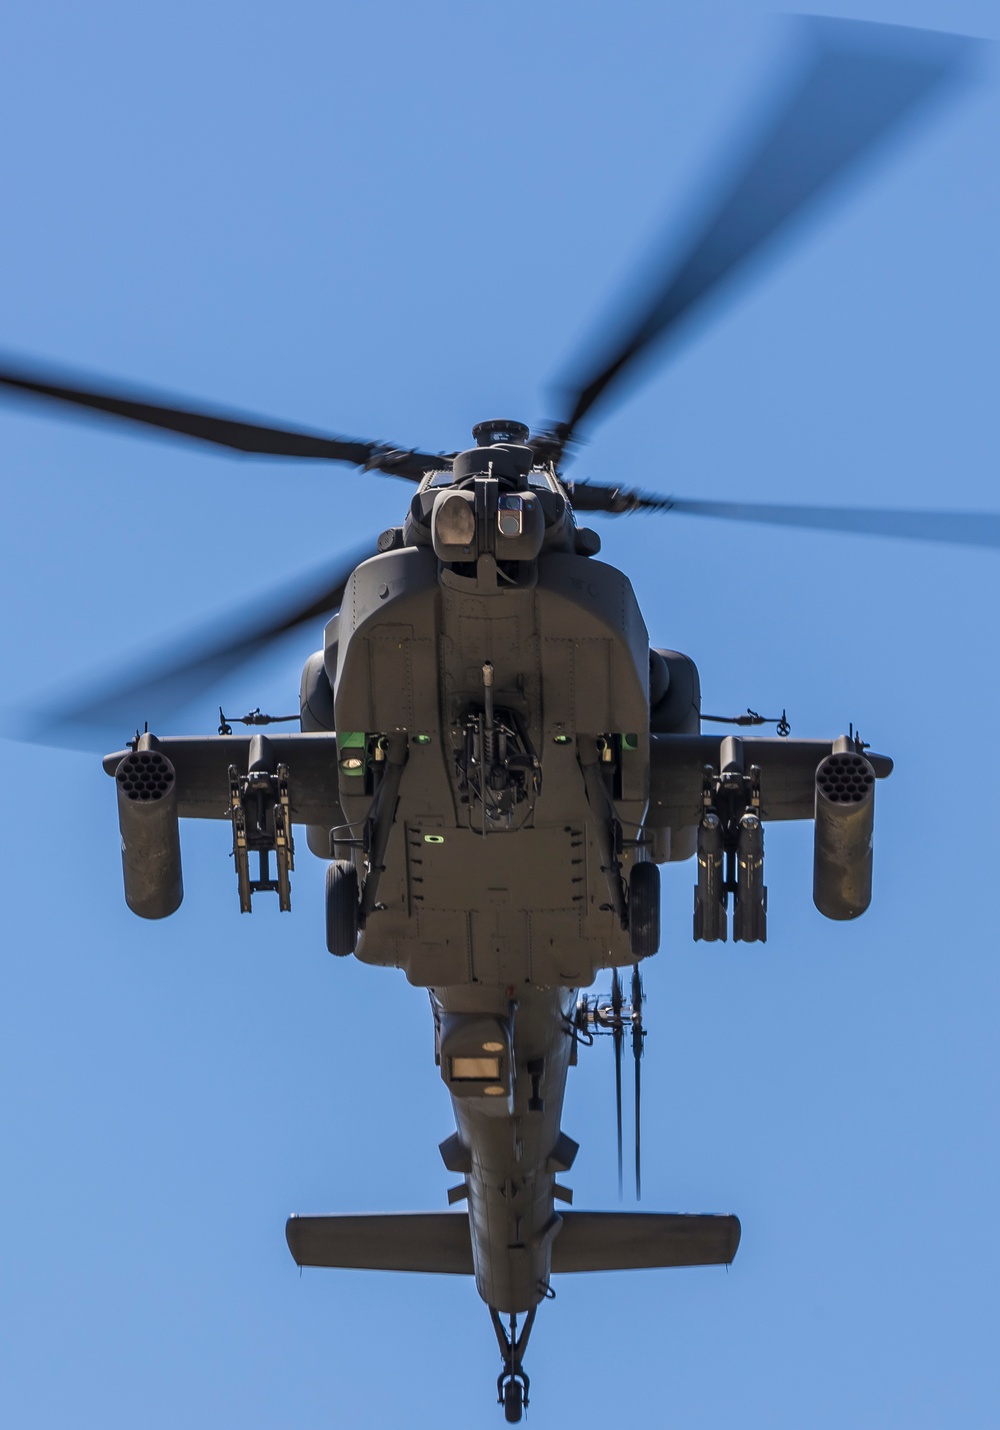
[959, 528]
[595, 496]
[858, 84]
[221, 429]
[193, 664]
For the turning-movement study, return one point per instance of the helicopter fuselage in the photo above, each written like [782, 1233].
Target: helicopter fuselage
[493, 894]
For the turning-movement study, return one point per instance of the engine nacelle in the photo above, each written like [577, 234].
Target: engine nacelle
[845, 820]
[674, 709]
[150, 829]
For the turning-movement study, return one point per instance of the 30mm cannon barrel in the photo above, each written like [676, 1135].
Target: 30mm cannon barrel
[845, 819]
[151, 845]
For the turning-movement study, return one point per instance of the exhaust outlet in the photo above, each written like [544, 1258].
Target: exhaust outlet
[845, 819]
[150, 829]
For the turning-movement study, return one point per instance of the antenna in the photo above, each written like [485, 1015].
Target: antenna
[617, 1029]
[638, 1034]
[595, 1015]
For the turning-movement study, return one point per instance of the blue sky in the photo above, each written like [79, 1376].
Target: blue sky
[394, 221]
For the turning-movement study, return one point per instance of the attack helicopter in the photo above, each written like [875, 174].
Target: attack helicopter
[494, 762]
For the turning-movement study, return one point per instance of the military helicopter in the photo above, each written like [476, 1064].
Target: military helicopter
[494, 762]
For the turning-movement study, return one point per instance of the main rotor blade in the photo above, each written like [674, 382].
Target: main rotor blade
[221, 429]
[182, 671]
[856, 85]
[958, 528]
[616, 501]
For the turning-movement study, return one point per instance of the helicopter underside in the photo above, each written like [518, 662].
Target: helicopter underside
[497, 879]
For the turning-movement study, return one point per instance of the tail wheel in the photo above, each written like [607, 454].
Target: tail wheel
[644, 910]
[513, 1402]
[341, 908]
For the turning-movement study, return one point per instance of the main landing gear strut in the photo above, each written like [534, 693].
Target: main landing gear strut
[512, 1382]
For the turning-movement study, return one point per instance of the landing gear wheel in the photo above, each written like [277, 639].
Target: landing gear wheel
[512, 1382]
[513, 1402]
[341, 908]
[644, 910]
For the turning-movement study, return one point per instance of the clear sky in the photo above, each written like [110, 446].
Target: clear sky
[392, 221]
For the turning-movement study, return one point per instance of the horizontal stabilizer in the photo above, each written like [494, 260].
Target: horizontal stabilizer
[440, 1241]
[628, 1241]
[406, 1241]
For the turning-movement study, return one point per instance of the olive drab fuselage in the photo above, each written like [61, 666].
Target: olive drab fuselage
[527, 905]
[499, 919]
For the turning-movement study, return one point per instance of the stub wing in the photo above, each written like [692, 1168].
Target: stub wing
[787, 775]
[201, 765]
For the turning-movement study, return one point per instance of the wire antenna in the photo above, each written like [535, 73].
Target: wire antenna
[638, 1035]
[613, 1015]
[618, 1031]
